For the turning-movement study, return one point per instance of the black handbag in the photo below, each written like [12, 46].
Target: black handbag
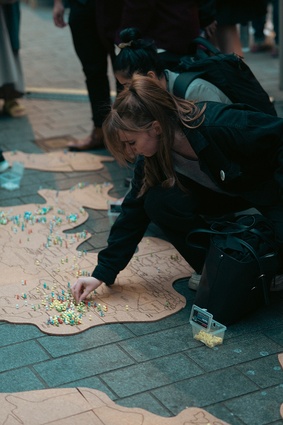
[240, 264]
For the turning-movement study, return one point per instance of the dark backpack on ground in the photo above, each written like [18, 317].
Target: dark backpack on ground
[240, 265]
[228, 72]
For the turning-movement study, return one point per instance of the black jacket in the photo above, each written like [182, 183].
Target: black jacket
[239, 148]
[171, 24]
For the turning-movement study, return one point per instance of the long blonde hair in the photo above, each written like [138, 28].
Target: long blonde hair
[134, 110]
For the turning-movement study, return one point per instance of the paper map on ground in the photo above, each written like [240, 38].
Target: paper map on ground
[59, 161]
[39, 264]
[86, 406]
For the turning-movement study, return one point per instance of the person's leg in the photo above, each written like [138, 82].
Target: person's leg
[275, 18]
[177, 213]
[258, 25]
[228, 39]
[14, 89]
[174, 212]
[94, 58]
[12, 15]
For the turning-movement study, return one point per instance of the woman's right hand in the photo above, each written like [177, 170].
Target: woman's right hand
[83, 287]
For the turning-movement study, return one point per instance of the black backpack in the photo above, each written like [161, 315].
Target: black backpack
[228, 72]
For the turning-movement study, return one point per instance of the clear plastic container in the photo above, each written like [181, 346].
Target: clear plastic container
[210, 337]
[11, 179]
[205, 329]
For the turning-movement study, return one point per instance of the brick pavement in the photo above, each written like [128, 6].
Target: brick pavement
[155, 366]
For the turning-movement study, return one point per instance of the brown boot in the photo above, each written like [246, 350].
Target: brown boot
[91, 142]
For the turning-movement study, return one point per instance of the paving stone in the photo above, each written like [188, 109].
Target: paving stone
[181, 318]
[21, 354]
[11, 333]
[265, 372]
[258, 408]
[22, 379]
[220, 411]
[149, 375]
[58, 346]
[276, 334]
[205, 389]
[159, 344]
[145, 399]
[82, 365]
[92, 382]
[234, 352]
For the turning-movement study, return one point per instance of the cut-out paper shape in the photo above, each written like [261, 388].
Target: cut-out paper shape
[49, 144]
[39, 264]
[93, 196]
[86, 406]
[59, 161]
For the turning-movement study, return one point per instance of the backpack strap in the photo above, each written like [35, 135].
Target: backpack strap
[185, 78]
[235, 229]
[183, 81]
[201, 41]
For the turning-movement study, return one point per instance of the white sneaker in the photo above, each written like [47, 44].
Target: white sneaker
[194, 281]
[4, 165]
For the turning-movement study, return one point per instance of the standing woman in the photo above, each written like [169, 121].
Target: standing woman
[193, 162]
[11, 75]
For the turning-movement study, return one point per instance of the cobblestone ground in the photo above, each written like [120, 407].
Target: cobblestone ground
[156, 366]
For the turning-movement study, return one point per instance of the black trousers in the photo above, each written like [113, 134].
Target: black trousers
[177, 213]
[259, 23]
[12, 13]
[93, 56]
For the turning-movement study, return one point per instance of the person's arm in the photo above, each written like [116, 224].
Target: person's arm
[125, 235]
[58, 14]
